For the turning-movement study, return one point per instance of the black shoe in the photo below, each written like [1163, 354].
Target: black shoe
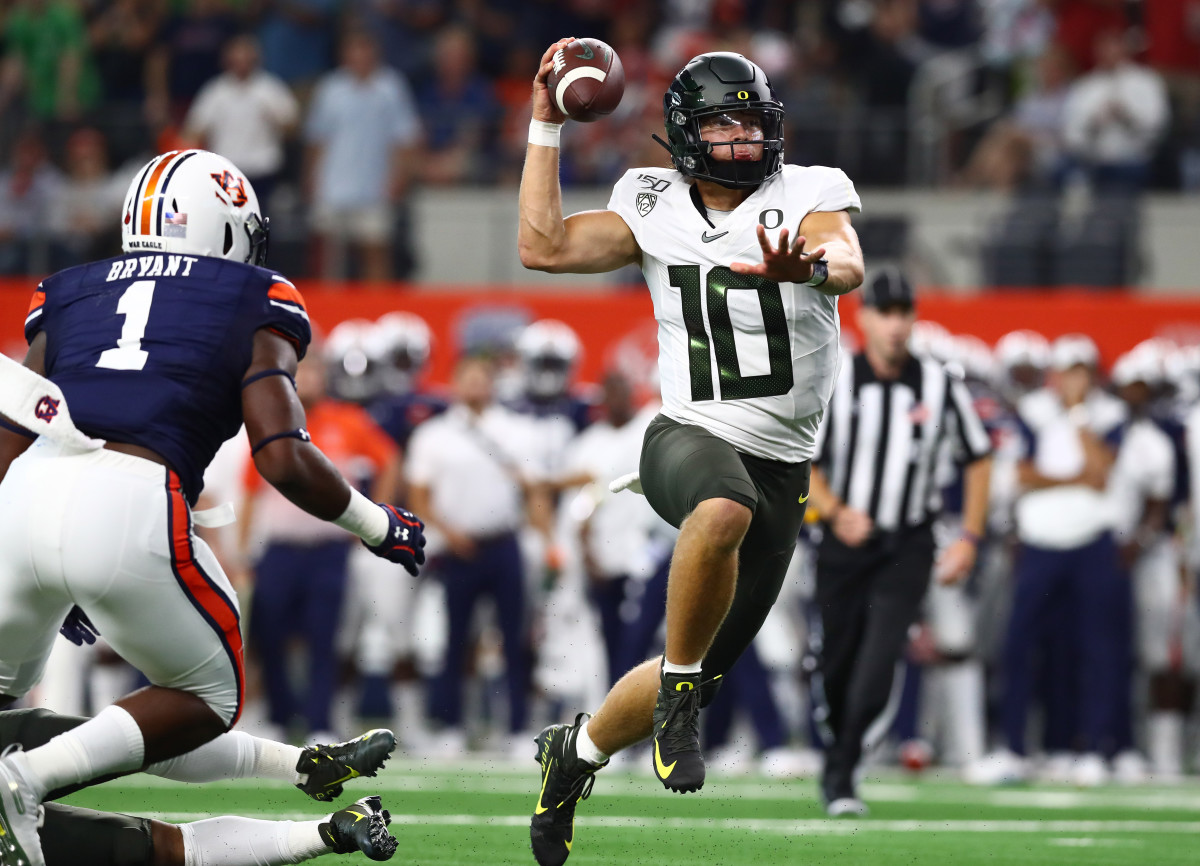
[328, 766]
[839, 795]
[677, 760]
[361, 827]
[566, 779]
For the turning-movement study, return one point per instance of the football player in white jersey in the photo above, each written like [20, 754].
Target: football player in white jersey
[744, 257]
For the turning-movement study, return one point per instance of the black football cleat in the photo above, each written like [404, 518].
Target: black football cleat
[566, 779]
[329, 766]
[677, 760]
[361, 827]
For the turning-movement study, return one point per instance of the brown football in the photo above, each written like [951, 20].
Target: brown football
[587, 81]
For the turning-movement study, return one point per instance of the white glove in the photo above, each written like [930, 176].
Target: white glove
[631, 482]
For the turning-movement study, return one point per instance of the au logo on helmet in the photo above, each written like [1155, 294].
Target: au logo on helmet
[234, 186]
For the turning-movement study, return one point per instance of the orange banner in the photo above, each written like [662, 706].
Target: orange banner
[621, 322]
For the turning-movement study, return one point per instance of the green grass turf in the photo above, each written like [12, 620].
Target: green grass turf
[478, 814]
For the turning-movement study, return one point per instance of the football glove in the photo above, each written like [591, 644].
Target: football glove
[77, 628]
[405, 539]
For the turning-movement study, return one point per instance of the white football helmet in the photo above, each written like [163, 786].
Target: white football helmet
[194, 201]
[549, 350]
[401, 343]
[1023, 349]
[352, 369]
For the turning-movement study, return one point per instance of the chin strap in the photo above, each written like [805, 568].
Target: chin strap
[666, 146]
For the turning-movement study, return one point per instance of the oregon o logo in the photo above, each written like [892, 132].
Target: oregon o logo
[774, 221]
[742, 94]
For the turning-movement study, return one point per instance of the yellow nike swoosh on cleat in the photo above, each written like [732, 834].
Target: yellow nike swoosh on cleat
[664, 770]
[353, 774]
[803, 499]
[539, 809]
[568, 844]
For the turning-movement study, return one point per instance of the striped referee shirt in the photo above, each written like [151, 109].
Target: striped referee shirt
[880, 441]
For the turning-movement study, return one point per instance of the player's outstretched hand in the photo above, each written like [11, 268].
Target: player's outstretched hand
[787, 264]
[544, 108]
[78, 629]
[405, 539]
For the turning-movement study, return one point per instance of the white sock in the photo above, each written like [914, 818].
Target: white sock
[962, 684]
[234, 755]
[693, 668]
[1164, 736]
[586, 749]
[110, 743]
[236, 841]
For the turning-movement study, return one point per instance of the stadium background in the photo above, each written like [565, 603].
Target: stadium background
[902, 94]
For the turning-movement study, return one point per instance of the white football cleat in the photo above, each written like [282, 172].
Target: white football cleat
[1130, 768]
[999, 768]
[1090, 771]
[19, 841]
[847, 807]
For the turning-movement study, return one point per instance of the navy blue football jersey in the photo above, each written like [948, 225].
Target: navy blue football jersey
[400, 414]
[151, 349]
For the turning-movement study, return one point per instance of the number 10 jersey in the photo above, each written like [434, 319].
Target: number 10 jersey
[750, 360]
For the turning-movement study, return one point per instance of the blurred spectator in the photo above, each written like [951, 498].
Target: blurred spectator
[297, 38]
[885, 71]
[27, 190]
[244, 114]
[405, 30]
[1114, 117]
[1026, 148]
[85, 213]
[46, 54]
[361, 132]
[1016, 30]
[1080, 23]
[121, 35]
[471, 473]
[300, 578]
[460, 114]
[187, 55]
[949, 24]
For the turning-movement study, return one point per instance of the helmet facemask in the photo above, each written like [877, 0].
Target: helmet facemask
[700, 156]
[715, 84]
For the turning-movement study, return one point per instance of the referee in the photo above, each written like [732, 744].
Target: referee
[892, 418]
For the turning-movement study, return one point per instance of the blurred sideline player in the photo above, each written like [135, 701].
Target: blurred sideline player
[727, 460]
[110, 839]
[301, 563]
[1140, 491]
[160, 354]
[378, 625]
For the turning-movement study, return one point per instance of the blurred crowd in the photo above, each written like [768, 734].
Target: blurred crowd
[543, 586]
[336, 109]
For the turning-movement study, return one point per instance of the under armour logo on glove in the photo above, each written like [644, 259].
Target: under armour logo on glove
[405, 540]
[78, 629]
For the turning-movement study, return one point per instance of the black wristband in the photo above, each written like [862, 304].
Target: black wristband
[17, 428]
[299, 433]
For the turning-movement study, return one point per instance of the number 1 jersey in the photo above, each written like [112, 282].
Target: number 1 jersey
[151, 349]
[751, 361]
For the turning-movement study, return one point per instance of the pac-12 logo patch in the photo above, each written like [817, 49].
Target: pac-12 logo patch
[645, 202]
[47, 409]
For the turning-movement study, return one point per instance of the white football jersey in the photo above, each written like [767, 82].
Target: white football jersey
[749, 360]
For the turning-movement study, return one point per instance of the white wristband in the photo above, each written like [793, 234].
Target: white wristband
[545, 134]
[364, 518]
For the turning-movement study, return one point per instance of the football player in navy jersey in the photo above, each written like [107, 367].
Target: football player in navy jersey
[401, 343]
[160, 355]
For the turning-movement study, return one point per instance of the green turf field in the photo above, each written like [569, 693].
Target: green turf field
[479, 814]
